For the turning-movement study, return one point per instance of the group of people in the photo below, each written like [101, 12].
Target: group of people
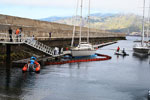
[58, 51]
[123, 51]
[17, 33]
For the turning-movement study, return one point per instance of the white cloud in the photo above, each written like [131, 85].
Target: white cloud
[118, 5]
[66, 6]
[124, 5]
[46, 3]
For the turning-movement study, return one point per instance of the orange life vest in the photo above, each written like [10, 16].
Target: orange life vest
[17, 31]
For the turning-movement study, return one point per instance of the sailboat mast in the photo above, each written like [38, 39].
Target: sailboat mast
[74, 27]
[88, 23]
[81, 22]
[142, 43]
[148, 21]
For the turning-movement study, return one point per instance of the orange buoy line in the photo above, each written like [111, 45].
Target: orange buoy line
[80, 60]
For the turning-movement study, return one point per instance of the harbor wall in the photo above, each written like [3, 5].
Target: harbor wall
[41, 29]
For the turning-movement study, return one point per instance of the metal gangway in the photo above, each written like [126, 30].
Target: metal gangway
[6, 38]
[39, 46]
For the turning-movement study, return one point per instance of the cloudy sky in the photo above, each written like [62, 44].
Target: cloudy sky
[45, 8]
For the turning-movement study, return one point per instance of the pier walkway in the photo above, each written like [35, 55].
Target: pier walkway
[6, 38]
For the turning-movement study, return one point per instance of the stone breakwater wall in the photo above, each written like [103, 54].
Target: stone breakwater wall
[41, 29]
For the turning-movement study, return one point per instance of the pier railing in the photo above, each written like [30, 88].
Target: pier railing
[24, 39]
[12, 38]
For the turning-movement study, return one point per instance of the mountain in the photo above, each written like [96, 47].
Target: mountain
[53, 18]
[103, 15]
[126, 23]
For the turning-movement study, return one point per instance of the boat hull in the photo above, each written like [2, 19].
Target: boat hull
[31, 67]
[120, 53]
[141, 50]
[76, 53]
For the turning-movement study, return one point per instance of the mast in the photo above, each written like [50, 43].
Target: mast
[142, 38]
[88, 23]
[74, 27]
[80, 22]
[148, 21]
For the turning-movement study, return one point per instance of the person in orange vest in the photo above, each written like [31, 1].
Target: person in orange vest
[118, 49]
[17, 33]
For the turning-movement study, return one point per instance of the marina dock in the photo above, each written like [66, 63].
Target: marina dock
[42, 60]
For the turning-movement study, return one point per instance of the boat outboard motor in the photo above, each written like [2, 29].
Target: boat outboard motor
[31, 65]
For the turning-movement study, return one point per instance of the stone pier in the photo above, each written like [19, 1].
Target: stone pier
[41, 29]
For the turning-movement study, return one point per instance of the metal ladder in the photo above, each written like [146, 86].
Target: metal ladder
[39, 46]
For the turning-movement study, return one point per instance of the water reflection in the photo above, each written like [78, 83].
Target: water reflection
[140, 57]
[13, 82]
[121, 56]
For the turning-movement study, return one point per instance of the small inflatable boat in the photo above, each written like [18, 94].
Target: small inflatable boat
[121, 53]
[31, 67]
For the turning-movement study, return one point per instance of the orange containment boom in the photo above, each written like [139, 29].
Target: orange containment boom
[106, 57]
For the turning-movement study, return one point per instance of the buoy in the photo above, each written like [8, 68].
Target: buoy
[37, 69]
[24, 69]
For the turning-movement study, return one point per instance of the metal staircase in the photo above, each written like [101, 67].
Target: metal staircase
[5, 39]
[30, 41]
[39, 46]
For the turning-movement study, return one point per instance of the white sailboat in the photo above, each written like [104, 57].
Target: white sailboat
[83, 48]
[142, 48]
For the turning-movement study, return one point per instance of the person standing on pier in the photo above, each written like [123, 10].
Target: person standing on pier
[17, 33]
[20, 31]
[50, 33]
[10, 34]
[61, 50]
[33, 40]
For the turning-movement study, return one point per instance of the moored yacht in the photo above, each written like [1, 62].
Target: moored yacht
[83, 48]
[142, 48]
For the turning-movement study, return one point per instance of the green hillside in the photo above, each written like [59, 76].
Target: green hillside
[126, 23]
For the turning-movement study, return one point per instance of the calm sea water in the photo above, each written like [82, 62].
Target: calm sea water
[121, 78]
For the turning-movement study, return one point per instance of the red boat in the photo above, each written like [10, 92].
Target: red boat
[31, 67]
